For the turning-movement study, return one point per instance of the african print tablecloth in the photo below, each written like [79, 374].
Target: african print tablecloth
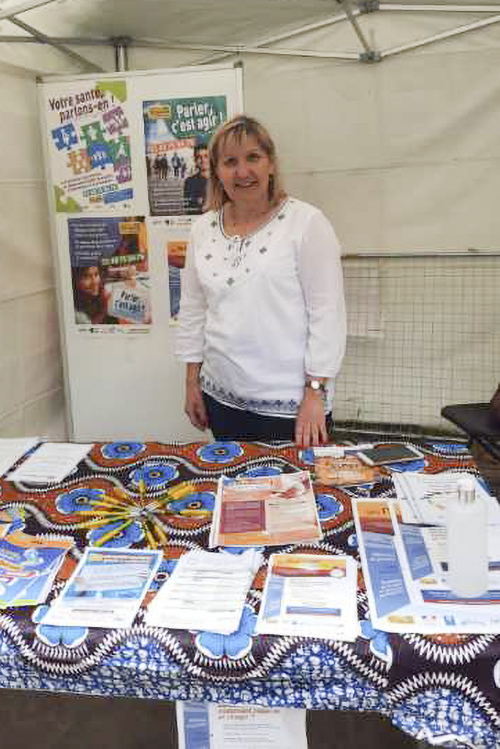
[432, 687]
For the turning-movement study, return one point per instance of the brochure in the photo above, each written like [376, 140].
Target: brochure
[269, 511]
[310, 595]
[206, 591]
[346, 470]
[28, 566]
[106, 589]
[404, 568]
[204, 725]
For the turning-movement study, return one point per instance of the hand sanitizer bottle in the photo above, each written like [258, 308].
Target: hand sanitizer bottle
[467, 540]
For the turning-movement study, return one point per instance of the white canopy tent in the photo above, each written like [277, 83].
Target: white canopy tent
[385, 116]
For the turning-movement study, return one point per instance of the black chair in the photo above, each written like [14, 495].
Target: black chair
[478, 422]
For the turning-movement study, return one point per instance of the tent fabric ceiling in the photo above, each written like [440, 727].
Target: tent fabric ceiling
[199, 22]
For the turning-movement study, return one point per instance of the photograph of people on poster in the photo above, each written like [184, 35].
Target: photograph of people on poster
[89, 146]
[109, 271]
[177, 132]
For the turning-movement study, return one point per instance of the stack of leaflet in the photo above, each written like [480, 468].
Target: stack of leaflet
[404, 560]
[12, 449]
[50, 463]
[423, 497]
[206, 591]
[28, 565]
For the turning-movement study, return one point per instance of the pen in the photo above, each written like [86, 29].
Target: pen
[108, 536]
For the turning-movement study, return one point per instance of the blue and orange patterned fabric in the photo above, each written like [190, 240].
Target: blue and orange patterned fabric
[442, 688]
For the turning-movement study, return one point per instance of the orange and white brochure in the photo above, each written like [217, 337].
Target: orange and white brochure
[265, 511]
[310, 595]
[404, 568]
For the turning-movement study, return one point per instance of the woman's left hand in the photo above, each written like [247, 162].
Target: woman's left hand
[310, 426]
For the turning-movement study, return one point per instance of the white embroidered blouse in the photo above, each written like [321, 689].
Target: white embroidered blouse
[263, 310]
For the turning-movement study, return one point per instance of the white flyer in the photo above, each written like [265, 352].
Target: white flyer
[50, 463]
[203, 725]
[11, 450]
[310, 595]
[106, 589]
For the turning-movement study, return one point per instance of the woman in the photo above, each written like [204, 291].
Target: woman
[262, 320]
[90, 297]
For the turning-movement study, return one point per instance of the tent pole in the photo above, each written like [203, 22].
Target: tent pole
[47, 40]
[443, 35]
[121, 45]
[281, 37]
[13, 10]
[441, 8]
[369, 52]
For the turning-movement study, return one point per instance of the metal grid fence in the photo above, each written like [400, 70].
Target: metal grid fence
[423, 332]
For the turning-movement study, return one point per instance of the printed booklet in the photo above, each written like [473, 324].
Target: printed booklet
[265, 511]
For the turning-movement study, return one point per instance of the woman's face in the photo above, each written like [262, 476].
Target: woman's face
[244, 169]
[90, 281]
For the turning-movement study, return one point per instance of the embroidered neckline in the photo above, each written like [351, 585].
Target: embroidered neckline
[250, 234]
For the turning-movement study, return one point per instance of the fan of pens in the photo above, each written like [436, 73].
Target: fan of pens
[121, 509]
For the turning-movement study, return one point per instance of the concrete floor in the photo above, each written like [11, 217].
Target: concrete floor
[51, 721]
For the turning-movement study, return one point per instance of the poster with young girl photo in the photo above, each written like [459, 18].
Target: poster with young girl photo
[110, 272]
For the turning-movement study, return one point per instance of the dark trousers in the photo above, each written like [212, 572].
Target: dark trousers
[229, 423]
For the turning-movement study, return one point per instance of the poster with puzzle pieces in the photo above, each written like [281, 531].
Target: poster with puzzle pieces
[89, 145]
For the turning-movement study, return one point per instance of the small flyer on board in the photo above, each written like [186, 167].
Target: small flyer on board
[110, 271]
[269, 511]
[89, 145]
[177, 132]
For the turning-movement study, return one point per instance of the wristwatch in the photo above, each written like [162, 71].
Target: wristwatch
[316, 385]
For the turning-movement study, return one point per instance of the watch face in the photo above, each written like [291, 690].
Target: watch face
[315, 384]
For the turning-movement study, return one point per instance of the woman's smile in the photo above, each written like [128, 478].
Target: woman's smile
[244, 169]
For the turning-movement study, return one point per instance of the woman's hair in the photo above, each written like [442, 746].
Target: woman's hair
[238, 129]
[84, 302]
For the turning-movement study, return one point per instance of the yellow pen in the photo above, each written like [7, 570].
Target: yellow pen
[113, 533]
[100, 522]
[149, 537]
[160, 532]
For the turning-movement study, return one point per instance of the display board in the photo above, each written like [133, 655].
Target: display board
[127, 167]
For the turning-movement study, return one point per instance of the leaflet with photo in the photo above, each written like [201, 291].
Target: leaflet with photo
[267, 510]
[343, 470]
[310, 595]
[106, 589]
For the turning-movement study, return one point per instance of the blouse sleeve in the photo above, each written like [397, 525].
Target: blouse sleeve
[191, 328]
[321, 277]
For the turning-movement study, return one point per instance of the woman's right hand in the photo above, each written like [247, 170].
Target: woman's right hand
[195, 407]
